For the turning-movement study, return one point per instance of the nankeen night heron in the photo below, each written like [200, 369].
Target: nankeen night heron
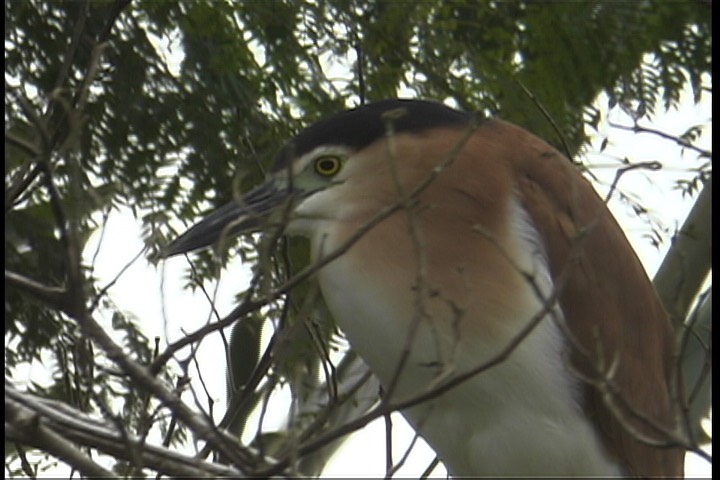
[465, 243]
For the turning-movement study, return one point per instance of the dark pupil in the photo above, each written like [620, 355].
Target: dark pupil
[327, 165]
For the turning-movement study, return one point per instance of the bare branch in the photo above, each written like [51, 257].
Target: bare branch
[688, 261]
[668, 136]
[655, 165]
[55, 297]
[52, 426]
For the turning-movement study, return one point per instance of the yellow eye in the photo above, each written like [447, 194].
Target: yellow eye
[327, 166]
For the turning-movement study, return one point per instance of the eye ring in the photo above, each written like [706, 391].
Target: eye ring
[327, 165]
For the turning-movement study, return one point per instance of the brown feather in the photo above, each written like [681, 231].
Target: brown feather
[609, 303]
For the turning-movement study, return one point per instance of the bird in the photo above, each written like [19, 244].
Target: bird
[472, 266]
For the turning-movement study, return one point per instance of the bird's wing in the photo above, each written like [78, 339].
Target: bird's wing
[609, 304]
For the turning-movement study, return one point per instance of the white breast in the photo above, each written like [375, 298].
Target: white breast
[521, 417]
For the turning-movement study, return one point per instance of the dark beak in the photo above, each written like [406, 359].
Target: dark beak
[247, 214]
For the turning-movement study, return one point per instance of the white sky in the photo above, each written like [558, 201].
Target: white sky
[141, 290]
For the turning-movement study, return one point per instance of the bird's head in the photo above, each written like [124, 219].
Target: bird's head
[322, 174]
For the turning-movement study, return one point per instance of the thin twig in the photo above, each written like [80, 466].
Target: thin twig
[652, 165]
[680, 141]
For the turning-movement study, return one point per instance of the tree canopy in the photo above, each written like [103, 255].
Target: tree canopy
[172, 108]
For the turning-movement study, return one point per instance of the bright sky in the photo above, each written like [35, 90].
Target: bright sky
[157, 299]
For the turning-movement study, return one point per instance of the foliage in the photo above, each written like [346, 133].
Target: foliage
[100, 115]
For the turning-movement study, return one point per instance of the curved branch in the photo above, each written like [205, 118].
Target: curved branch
[688, 261]
[52, 426]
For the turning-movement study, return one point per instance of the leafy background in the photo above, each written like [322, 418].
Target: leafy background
[168, 109]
